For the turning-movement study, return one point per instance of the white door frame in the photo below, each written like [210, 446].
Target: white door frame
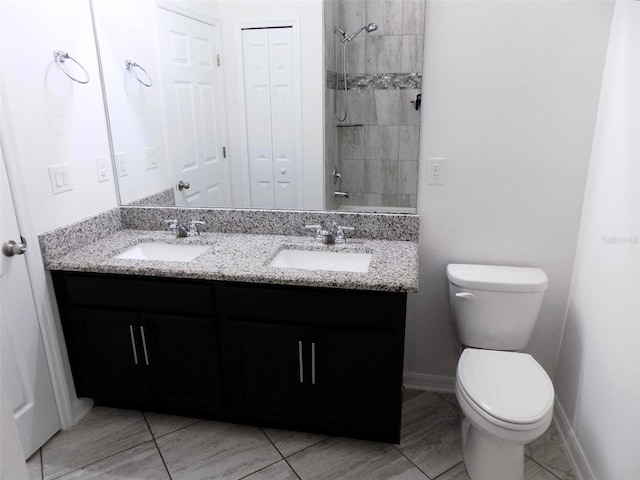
[70, 409]
[242, 115]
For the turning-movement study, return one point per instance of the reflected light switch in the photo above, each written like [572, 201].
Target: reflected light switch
[60, 178]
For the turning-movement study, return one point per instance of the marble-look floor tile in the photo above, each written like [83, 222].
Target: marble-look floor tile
[348, 459]
[139, 463]
[288, 442]
[102, 433]
[545, 450]
[532, 471]
[449, 397]
[34, 466]
[216, 450]
[431, 436]
[277, 471]
[161, 424]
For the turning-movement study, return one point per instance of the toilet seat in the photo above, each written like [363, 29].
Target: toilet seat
[506, 388]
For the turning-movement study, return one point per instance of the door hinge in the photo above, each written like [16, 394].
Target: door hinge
[224, 152]
[218, 58]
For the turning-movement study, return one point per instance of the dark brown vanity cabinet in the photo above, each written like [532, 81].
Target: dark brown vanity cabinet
[320, 360]
[141, 342]
[323, 360]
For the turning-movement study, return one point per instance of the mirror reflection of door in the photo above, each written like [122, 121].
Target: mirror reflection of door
[269, 86]
[194, 119]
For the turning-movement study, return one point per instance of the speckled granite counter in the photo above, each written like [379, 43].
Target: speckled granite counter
[241, 257]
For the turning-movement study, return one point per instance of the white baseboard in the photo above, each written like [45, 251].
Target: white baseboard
[430, 383]
[577, 458]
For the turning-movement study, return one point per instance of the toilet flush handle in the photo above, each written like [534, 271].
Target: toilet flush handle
[467, 295]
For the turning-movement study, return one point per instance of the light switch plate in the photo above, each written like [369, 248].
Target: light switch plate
[60, 178]
[101, 169]
[121, 164]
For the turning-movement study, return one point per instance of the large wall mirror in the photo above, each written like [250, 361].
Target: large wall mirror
[263, 104]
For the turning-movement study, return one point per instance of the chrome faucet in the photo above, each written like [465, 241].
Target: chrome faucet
[180, 231]
[341, 194]
[332, 234]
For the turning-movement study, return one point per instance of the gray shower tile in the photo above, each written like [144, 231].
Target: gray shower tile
[410, 201]
[383, 108]
[356, 55]
[353, 459]
[103, 432]
[354, 199]
[431, 436]
[353, 14]
[34, 466]
[216, 450]
[387, 14]
[288, 442]
[409, 115]
[381, 176]
[383, 54]
[161, 424]
[407, 177]
[412, 47]
[351, 143]
[409, 142]
[381, 143]
[356, 101]
[352, 180]
[545, 450]
[277, 471]
[139, 463]
[381, 200]
[532, 471]
[413, 17]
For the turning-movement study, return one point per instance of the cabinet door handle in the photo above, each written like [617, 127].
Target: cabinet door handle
[300, 364]
[133, 344]
[313, 363]
[144, 346]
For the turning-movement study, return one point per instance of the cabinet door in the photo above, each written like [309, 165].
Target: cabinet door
[110, 356]
[183, 362]
[265, 372]
[357, 386]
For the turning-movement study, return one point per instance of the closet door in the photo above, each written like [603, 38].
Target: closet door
[269, 82]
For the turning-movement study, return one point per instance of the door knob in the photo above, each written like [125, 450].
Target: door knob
[183, 185]
[11, 248]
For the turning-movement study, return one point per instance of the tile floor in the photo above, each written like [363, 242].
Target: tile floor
[113, 444]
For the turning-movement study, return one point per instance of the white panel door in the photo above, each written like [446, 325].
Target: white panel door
[268, 63]
[193, 109]
[23, 362]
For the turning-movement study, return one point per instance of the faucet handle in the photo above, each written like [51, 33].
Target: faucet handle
[194, 229]
[340, 233]
[172, 225]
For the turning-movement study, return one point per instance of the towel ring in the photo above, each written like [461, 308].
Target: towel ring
[60, 57]
[130, 64]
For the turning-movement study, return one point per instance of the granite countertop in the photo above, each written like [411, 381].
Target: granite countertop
[243, 257]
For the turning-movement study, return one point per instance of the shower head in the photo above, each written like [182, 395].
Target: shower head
[369, 27]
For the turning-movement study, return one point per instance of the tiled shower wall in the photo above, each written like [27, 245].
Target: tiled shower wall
[377, 145]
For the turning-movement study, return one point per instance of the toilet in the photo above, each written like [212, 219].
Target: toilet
[506, 396]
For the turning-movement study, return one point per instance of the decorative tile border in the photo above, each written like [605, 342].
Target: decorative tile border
[376, 81]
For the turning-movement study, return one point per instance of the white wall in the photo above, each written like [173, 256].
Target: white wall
[598, 380]
[54, 119]
[233, 15]
[510, 93]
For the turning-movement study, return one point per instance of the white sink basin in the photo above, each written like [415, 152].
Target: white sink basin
[320, 260]
[168, 252]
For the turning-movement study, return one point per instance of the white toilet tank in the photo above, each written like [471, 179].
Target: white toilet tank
[495, 307]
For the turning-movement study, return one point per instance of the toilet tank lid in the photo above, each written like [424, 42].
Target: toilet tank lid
[497, 278]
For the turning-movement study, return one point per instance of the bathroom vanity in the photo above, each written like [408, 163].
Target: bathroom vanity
[228, 337]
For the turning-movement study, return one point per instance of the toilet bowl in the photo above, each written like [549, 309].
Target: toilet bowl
[507, 401]
[506, 396]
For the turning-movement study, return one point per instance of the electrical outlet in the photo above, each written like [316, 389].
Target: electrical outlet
[101, 168]
[435, 171]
